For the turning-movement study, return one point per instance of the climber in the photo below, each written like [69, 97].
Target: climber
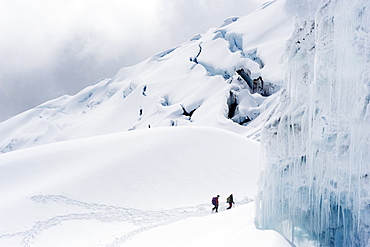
[215, 203]
[230, 200]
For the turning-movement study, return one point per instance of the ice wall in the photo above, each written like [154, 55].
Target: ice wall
[315, 187]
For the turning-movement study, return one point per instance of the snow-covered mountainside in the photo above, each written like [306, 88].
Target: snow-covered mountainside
[95, 169]
[316, 182]
[203, 82]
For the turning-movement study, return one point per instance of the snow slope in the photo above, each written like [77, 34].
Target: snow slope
[103, 190]
[234, 227]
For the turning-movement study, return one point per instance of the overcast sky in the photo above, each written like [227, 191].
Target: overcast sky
[49, 48]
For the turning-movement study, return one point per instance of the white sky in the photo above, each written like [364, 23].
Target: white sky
[49, 48]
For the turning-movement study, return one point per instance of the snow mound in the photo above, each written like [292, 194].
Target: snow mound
[128, 178]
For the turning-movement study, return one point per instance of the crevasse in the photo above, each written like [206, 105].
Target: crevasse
[315, 187]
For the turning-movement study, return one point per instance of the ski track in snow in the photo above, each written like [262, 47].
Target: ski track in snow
[105, 213]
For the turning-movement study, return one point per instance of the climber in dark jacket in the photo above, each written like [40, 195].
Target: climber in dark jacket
[215, 203]
[230, 200]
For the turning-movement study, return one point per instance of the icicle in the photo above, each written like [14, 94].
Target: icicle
[316, 182]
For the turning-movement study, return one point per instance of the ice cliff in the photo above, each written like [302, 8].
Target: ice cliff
[316, 181]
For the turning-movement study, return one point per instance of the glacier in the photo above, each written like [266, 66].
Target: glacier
[315, 185]
[197, 83]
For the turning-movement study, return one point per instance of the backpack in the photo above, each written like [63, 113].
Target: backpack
[228, 200]
[214, 199]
